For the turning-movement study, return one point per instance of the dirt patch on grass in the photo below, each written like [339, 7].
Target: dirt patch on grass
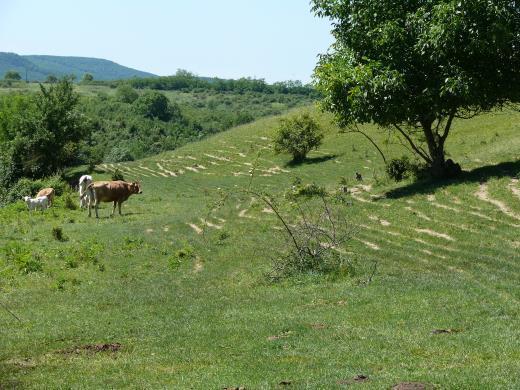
[92, 348]
[435, 234]
[197, 229]
[368, 244]
[513, 186]
[483, 194]
[418, 213]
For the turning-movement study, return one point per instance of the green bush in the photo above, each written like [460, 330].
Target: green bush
[119, 154]
[118, 175]
[126, 94]
[399, 168]
[30, 187]
[21, 258]
[69, 201]
[298, 135]
[57, 233]
[305, 190]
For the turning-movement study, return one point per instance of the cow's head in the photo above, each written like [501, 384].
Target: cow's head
[26, 198]
[135, 188]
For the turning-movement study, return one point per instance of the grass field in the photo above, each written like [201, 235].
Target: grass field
[172, 296]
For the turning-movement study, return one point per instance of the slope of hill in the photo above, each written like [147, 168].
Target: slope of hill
[173, 293]
[38, 67]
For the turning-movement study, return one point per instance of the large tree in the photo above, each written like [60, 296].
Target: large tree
[414, 66]
[12, 75]
[40, 134]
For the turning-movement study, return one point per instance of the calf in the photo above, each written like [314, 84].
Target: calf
[40, 202]
[48, 192]
[84, 182]
[110, 191]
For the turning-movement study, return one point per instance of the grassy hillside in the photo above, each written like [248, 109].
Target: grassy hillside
[38, 67]
[174, 295]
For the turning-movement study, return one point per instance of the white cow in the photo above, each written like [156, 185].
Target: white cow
[84, 182]
[41, 202]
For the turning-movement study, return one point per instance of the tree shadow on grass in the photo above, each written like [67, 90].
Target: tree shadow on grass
[477, 175]
[311, 160]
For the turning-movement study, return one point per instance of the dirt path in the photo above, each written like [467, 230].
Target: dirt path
[483, 194]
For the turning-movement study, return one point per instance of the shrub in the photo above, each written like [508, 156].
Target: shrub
[69, 202]
[56, 181]
[305, 190]
[118, 175]
[30, 187]
[126, 94]
[298, 135]
[314, 240]
[57, 233]
[22, 258]
[399, 168]
[153, 104]
[119, 154]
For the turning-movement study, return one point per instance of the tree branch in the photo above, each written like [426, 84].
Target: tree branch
[416, 148]
[448, 126]
[371, 141]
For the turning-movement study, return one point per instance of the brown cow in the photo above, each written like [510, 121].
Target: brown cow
[110, 191]
[48, 192]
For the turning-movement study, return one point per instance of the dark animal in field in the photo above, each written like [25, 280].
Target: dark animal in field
[359, 177]
[48, 192]
[110, 191]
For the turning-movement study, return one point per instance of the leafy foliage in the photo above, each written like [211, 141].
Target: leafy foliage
[12, 75]
[126, 94]
[40, 134]
[399, 168]
[298, 135]
[415, 66]
[153, 104]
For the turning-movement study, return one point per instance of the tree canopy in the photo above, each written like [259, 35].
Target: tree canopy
[415, 66]
[40, 134]
[152, 104]
[12, 75]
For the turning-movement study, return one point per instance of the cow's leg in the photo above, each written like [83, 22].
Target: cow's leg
[96, 204]
[114, 209]
[119, 206]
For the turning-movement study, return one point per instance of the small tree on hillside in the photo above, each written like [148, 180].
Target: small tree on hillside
[12, 75]
[87, 78]
[154, 104]
[415, 66]
[41, 134]
[298, 135]
[51, 79]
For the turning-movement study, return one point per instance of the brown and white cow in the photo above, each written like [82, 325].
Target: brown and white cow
[110, 191]
[48, 192]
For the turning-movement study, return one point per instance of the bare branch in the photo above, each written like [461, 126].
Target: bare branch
[416, 148]
[357, 130]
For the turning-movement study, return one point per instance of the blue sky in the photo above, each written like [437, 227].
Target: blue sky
[272, 39]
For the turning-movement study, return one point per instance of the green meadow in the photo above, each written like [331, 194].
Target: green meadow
[174, 293]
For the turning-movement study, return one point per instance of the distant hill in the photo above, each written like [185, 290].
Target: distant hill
[38, 67]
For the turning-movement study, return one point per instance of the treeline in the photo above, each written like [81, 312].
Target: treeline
[186, 81]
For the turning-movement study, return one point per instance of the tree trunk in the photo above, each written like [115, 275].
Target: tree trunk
[438, 166]
[435, 155]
